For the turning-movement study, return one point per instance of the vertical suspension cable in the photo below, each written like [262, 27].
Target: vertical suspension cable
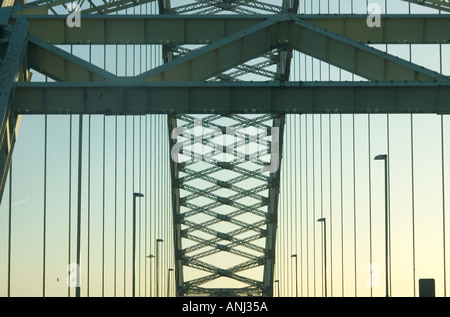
[321, 204]
[103, 208]
[146, 197]
[45, 208]
[354, 202]
[9, 228]
[331, 208]
[115, 206]
[306, 213]
[146, 164]
[133, 268]
[164, 216]
[289, 209]
[412, 183]
[443, 203]
[389, 203]
[69, 262]
[285, 237]
[125, 211]
[412, 209]
[370, 205]
[140, 190]
[80, 163]
[287, 264]
[342, 204]
[89, 197]
[301, 203]
[151, 202]
[166, 200]
[152, 195]
[104, 190]
[443, 182]
[314, 202]
[115, 179]
[295, 117]
[89, 207]
[70, 199]
[160, 223]
[158, 210]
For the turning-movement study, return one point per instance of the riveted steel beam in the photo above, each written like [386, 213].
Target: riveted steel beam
[220, 56]
[205, 29]
[12, 69]
[194, 98]
[355, 57]
[61, 65]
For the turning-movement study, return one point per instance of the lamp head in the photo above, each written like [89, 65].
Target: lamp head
[321, 220]
[381, 157]
[138, 195]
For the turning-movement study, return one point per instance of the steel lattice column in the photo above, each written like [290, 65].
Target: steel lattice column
[225, 190]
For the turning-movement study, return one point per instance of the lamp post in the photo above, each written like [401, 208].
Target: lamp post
[384, 157]
[157, 265]
[324, 221]
[296, 274]
[278, 284]
[168, 281]
[150, 256]
[135, 195]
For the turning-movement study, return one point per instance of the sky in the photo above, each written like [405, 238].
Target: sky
[321, 175]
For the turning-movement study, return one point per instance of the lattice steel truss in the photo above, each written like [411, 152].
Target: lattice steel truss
[226, 178]
[208, 210]
[436, 4]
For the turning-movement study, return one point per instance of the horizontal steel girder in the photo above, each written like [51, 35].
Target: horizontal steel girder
[178, 29]
[272, 97]
[42, 7]
[303, 36]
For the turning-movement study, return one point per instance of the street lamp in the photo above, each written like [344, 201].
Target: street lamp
[296, 274]
[168, 281]
[384, 157]
[135, 195]
[278, 284]
[157, 265]
[150, 256]
[324, 220]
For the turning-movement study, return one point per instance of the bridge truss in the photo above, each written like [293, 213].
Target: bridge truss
[206, 83]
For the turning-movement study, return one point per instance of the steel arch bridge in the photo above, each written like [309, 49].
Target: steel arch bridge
[226, 128]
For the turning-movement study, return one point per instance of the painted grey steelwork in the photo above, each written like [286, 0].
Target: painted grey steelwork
[225, 203]
[127, 97]
[243, 240]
